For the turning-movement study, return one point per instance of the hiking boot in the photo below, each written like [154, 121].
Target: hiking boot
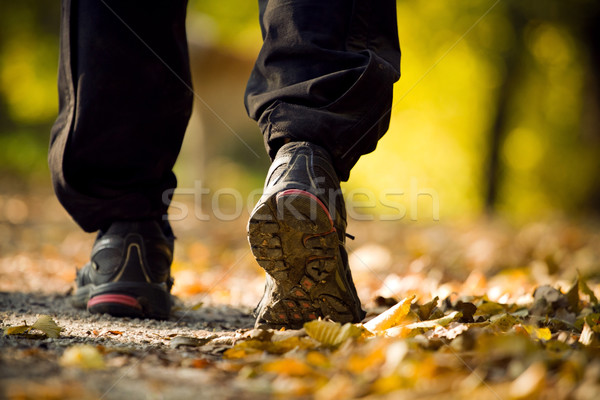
[129, 271]
[297, 233]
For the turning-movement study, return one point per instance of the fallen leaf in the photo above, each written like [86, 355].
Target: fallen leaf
[538, 333]
[593, 320]
[338, 387]
[247, 348]
[588, 337]
[488, 308]
[547, 293]
[287, 366]
[529, 383]
[573, 297]
[454, 329]
[359, 363]
[424, 311]
[198, 363]
[397, 332]
[179, 341]
[17, 330]
[503, 322]
[82, 356]
[467, 310]
[585, 289]
[435, 322]
[390, 318]
[331, 333]
[46, 324]
[318, 359]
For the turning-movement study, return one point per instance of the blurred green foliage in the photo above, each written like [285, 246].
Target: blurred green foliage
[28, 99]
[519, 72]
[498, 101]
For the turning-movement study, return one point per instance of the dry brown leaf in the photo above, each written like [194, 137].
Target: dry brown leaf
[426, 309]
[488, 308]
[573, 297]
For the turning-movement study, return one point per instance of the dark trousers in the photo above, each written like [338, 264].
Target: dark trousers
[324, 75]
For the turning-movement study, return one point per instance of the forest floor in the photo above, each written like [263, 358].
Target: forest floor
[483, 310]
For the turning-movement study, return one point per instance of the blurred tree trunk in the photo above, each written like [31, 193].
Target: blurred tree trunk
[509, 88]
[590, 37]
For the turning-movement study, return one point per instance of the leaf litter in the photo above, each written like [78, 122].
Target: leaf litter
[504, 343]
[507, 329]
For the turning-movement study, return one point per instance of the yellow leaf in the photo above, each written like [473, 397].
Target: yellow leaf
[318, 359]
[82, 356]
[287, 366]
[331, 333]
[358, 363]
[538, 333]
[436, 322]
[46, 324]
[236, 353]
[397, 332]
[253, 346]
[391, 317]
[389, 384]
[16, 330]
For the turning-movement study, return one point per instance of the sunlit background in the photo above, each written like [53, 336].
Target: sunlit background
[497, 108]
[497, 114]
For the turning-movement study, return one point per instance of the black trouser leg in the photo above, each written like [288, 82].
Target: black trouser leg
[325, 75]
[125, 101]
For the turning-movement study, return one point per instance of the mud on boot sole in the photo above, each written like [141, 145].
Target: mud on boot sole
[294, 240]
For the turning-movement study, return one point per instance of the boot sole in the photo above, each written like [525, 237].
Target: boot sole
[293, 239]
[125, 299]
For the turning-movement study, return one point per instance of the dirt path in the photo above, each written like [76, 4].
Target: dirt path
[144, 358]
